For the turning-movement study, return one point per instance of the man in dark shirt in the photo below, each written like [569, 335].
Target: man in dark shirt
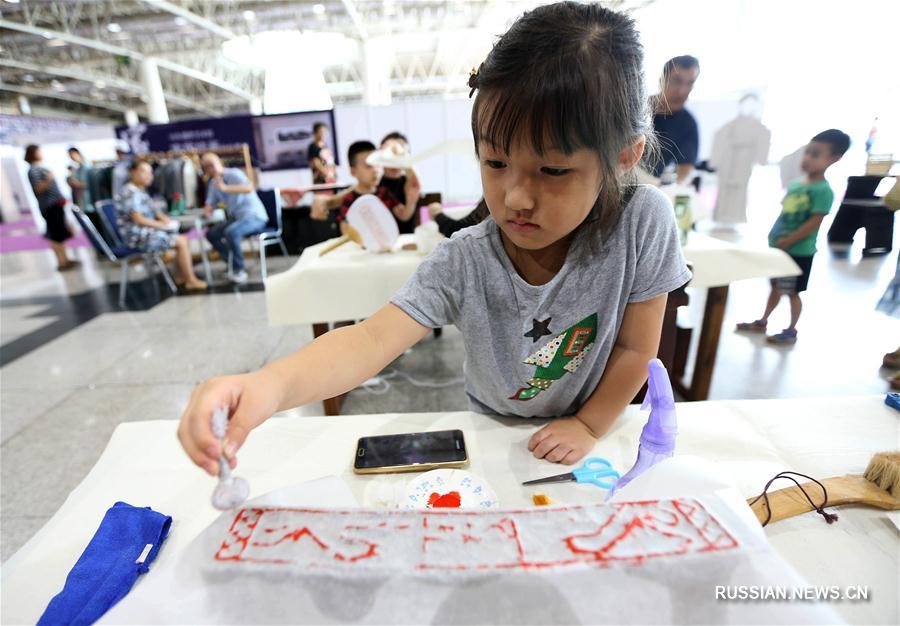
[676, 129]
[320, 157]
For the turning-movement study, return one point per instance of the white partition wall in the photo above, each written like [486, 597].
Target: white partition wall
[427, 123]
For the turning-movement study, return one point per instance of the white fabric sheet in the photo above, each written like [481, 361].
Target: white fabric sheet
[659, 561]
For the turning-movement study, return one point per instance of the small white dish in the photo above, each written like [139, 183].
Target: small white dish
[449, 489]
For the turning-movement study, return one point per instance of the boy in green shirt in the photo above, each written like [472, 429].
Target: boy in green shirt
[805, 205]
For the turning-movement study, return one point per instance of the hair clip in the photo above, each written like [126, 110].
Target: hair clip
[473, 80]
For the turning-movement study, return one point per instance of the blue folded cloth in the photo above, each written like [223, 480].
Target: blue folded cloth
[122, 549]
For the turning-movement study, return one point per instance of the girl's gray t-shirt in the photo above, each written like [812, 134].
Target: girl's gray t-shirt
[540, 350]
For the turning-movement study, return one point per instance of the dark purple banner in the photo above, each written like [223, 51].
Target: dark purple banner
[277, 142]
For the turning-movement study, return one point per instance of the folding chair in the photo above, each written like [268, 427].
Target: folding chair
[121, 254]
[270, 235]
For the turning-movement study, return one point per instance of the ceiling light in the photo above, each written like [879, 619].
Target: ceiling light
[180, 21]
[58, 86]
[28, 78]
[249, 16]
[12, 1]
[47, 35]
[319, 9]
[99, 84]
[57, 43]
[113, 27]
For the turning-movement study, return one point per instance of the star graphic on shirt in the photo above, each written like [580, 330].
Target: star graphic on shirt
[539, 329]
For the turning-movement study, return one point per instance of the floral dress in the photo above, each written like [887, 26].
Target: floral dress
[133, 199]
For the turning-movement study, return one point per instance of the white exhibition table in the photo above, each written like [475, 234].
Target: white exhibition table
[349, 283]
[747, 441]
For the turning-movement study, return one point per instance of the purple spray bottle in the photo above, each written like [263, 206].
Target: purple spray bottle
[658, 435]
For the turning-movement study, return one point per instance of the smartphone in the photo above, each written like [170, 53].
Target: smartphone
[410, 452]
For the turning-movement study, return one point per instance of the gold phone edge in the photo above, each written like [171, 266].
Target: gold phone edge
[405, 469]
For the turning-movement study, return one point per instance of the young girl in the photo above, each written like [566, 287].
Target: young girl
[147, 229]
[559, 294]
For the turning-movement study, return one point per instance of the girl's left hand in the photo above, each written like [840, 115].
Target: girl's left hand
[565, 440]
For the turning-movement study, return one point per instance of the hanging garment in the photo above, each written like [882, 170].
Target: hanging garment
[737, 147]
[120, 176]
[158, 186]
[104, 177]
[177, 179]
[789, 167]
[189, 176]
[169, 179]
[93, 181]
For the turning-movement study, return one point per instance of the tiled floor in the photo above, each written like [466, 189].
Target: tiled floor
[61, 401]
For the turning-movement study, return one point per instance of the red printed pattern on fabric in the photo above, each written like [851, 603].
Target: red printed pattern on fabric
[443, 539]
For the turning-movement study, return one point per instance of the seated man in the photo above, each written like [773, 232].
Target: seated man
[230, 189]
[368, 179]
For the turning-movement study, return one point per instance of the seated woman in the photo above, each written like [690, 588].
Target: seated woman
[145, 229]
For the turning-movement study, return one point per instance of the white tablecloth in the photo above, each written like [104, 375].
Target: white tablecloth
[749, 441]
[349, 283]
[717, 263]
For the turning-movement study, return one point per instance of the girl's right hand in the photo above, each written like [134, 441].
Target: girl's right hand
[251, 399]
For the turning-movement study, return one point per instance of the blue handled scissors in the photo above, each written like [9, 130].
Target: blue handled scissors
[592, 471]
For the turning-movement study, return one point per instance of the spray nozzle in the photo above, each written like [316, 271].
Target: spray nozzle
[661, 427]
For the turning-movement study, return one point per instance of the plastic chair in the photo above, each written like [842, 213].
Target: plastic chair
[270, 235]
[121, 254]
[107, 211]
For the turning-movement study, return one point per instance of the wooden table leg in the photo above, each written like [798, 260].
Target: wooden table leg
[332, 405]
[710, 330]
[668, 339]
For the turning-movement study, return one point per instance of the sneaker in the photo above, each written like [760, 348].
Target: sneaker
[786, 337]
[239, 278]
[758, 326]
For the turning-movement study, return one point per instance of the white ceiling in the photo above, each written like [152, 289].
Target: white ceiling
[83, 57]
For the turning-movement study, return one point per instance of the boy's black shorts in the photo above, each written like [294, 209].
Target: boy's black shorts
[795, 284]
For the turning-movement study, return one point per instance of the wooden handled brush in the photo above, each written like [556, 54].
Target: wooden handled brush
[879, 486]
[350, 234]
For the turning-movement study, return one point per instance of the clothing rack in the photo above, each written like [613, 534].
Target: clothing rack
[240, 150]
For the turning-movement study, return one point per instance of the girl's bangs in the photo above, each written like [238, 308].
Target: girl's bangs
[543, 119]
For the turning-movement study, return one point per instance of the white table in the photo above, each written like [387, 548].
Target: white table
[716, 264]
[749, 441]
[350, 284]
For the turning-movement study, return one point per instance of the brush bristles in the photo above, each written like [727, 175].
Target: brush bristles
[884, 471]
